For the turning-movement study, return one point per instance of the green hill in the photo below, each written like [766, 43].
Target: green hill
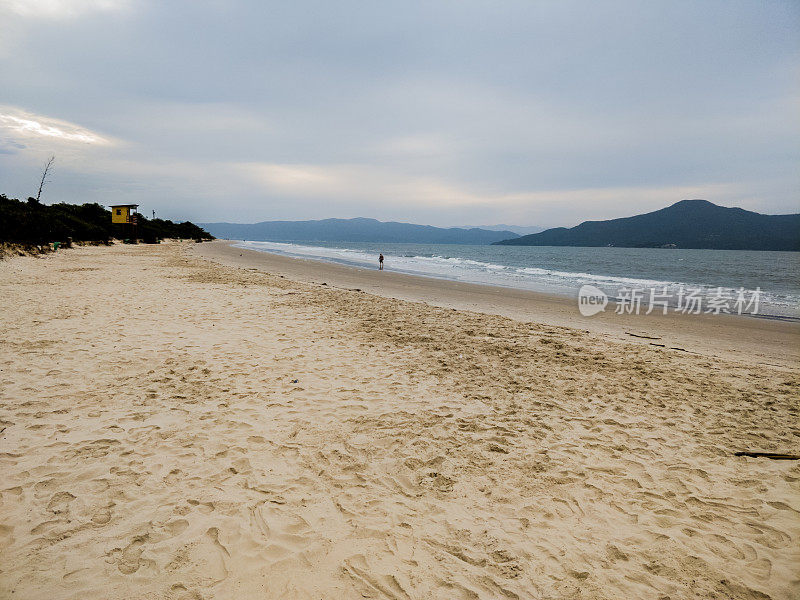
[685, 224]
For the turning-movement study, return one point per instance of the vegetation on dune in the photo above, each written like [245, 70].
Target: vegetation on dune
[34, 223]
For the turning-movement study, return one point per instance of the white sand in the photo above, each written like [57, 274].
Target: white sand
[154, 444]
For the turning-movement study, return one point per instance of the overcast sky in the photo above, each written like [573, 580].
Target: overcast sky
[448, 113]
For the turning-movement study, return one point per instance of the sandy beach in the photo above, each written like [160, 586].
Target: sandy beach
[191, 421]
[754, 340]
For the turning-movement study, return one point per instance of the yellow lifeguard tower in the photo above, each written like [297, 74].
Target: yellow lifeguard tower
[124, 213]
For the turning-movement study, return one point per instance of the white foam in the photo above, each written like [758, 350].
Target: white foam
[475, 271]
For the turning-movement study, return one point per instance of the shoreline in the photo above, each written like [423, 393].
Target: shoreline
[563, 290]
[752, 340]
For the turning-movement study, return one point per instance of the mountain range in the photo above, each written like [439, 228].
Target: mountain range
[354, 230]
[519, 229]
[685, 224]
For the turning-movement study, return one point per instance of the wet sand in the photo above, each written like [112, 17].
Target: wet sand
[171, 427]
[746, 338]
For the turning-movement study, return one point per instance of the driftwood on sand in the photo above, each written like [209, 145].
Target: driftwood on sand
[772, 455]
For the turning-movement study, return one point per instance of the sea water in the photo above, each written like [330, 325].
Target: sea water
[563, 270]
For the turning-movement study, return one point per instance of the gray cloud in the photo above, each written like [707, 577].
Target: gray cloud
[538, 113]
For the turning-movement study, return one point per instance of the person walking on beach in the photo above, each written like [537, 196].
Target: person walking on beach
[380, 263]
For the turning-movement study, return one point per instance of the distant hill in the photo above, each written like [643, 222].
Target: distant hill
[519, 229]
[353, 230]
[685, 224]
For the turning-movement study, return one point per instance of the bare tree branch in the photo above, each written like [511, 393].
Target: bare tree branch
[44, 175]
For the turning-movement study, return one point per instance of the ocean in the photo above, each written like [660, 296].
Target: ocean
[772, 279]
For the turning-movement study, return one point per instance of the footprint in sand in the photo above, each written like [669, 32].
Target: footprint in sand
[103, 515]
[13, 491]
[44, 487]
[203, 507]
[173, 477]
[6, 535]
[370, 583]
[60, 502]
[46, 527]
[130, 558]
[283, 532]
[176, 527]
[206, 554]
[179, 591]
